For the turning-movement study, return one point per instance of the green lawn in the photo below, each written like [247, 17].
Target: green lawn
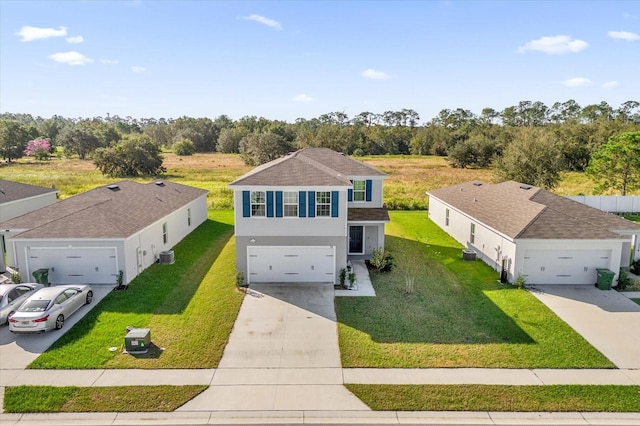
[458, 315]
[189, 306]
[549, 398]
[637, 301]
[120, 399]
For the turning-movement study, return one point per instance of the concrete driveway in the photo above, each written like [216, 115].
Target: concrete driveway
[282, 354]
[605, 318]
[19, 350]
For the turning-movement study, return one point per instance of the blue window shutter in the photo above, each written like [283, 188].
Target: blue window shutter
[350, 193]
[279, 204]
[269, 203]
[334, 203]
[312, 203]
[302, 204]
[368, 193]
[246, 204]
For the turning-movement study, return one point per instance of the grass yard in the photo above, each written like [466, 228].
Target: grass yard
[458, 314]
[190, 304]
[637, 301]
[120, 399]
[550, 398]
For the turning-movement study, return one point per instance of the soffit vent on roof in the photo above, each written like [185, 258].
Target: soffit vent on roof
[114, 188]
[159, 183]
[526, 187]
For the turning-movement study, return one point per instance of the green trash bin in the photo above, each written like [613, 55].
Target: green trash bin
[41, 276]
[605, 279]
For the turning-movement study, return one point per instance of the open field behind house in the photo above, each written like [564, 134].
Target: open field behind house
[409, 176]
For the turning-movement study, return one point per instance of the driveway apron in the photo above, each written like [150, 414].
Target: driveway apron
[282, 354]
[605, 318]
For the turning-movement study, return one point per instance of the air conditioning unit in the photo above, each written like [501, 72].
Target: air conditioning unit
[468, 255]
[167, 257]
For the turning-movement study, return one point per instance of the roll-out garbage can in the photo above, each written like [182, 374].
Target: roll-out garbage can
[41, 276]
[605, 278]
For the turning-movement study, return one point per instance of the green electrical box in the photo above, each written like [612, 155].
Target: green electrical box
[137, 340]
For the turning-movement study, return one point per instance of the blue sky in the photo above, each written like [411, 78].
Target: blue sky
[284, 60]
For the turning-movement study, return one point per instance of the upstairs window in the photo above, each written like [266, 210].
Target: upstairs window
[472, 234]
[189, 216]
[323, 204]
[359, 190]
[290, 203]
[258, 203]
[165, 235]
[446, 218]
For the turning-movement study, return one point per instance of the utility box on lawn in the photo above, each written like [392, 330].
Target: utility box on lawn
[137, 340]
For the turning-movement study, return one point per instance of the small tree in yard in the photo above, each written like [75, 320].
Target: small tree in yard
[133, 156]
[616, 164]
[38, 148]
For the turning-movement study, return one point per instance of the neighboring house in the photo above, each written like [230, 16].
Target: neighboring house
[19, 198]
[524, 230]
[90, 237]
[300, 217]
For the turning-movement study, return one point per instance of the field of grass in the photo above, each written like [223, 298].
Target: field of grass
[458, 314]
[190, 304]
[120, 399]
[409, 177]
[549, 398]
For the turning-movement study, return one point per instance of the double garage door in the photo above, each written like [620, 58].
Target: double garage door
[564, 266]
[87, 265]
[290, 264]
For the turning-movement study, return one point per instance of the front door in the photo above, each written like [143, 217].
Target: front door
[356, 244]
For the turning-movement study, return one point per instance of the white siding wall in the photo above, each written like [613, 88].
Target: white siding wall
[489, 245]
[26, 205]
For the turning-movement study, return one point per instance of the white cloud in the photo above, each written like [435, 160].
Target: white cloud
[624, 35]
[610, 84]
[554, 45]
[263, 20]
[577, 82]
[75, 40]
[375, 74]
[138, 69]
[302, 98]
[29, 33]
[109, 61]
[70, 58]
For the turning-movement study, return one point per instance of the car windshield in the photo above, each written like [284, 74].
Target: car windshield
[34, 306]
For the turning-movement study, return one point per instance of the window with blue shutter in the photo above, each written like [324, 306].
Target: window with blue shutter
[334, 203]
[302, 204]
[246, 204]
[368, 192]
[279, 204]
[269, 203]
[350, 193]
[312, 204]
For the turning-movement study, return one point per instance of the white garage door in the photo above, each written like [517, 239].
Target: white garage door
[87, 265]
[564, 266]
[290, 264]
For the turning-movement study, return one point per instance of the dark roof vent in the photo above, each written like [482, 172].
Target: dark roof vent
[159, 183]
[525, 187]
[477, 183]
[114, 188]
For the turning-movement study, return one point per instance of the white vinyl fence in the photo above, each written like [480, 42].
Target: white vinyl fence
[610, 203]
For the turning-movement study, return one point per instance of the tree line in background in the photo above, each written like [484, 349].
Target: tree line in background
[528, 142]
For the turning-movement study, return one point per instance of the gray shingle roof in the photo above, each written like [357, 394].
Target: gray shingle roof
[357, 214]
[308, 167]
[106, 213]
[527, 212]
[13, 191]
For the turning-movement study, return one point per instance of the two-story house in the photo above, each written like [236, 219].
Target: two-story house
[301, 217]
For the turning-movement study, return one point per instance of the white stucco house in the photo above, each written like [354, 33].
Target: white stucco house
[300, 217]
[522, 230]
[90, 237]
[19, 198]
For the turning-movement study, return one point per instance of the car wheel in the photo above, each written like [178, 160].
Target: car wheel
[10, 313]
[89, 297]
[59, 322]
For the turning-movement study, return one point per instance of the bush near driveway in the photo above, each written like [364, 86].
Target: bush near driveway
[458, 314]
[189, 306]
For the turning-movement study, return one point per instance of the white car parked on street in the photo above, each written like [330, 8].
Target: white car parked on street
[48, 308]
